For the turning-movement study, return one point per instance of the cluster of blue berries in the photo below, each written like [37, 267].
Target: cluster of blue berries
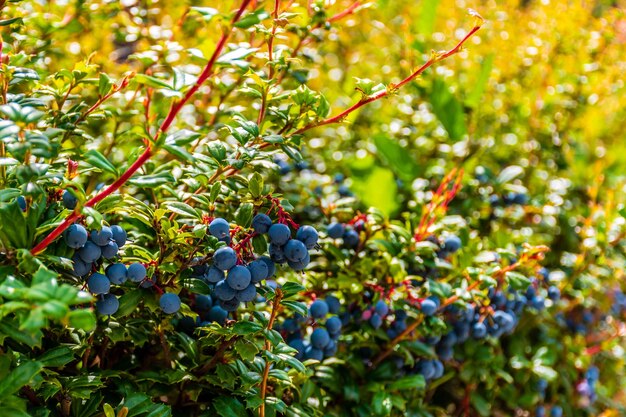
[284, 167]
[555, 411]
[323, 340]
[92, 247]
[284, 249]
[465, 321]
[348, 233]
[209, 311]
[508, 199]
[231, 282]
[586, 388]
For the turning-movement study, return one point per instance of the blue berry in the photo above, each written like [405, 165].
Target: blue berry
[300, 265]
[261, 223]
[330, 349]
[213, 275]
[376, 320]
[217, 314]
[279, 234]
[108, 304]
[81, 267]
[429, 307]
[333, 304]
[351, 239]
[381, 308]
[238, 277]
[399, 326]
[230, 305]
[438, 369]
[258, 270]
[69, 200]
[333, 324]
[90, 252]
[445, 353]
[556, 411]
[540, 411]
[109, 250]
[225, 258]
[295, 251]
[313, 353]
[246, 295]
[297, 344]
[276, 254]
[136, 272]
[98, 284]
[169, 303]
[335, 230]
[271, 267]
[223, 291]
[427, 369]
[116, 273]
[320, 338]
[452, 244]
[219, 228]
[119, 235]
[147, 283]
[307, 235]
[318, 309]
[76, 236]
[538, 303]
[203, 302]
[290, 326]
[101, 237]
[21, 202]
[479, 330]
[554, 293]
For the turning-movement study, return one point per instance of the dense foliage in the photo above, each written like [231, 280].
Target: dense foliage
[323, 208]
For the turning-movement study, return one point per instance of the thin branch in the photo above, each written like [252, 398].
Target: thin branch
[435, 57]
[266, 371]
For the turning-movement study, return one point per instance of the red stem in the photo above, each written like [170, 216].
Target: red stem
[365, 100]
[174, 110]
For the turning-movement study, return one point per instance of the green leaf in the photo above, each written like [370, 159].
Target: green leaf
[244, 328]
[56, 357]
[255, 185]
[291, 288]
[129, 302]
[229, 407]
[378, 189]
[108, 410]
[381, 403]
[480, 404]
[244, 215]
[82, 319]
[509, 173]
[427, 17]
[104, 84]
[409, 382]
[151, 81]
[448, 110]
[96, 159]
[252, 19]
[19, 377]
[396, 158]
[473, 98]
[183, 209]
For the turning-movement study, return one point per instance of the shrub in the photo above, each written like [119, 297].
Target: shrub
[190, 225]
